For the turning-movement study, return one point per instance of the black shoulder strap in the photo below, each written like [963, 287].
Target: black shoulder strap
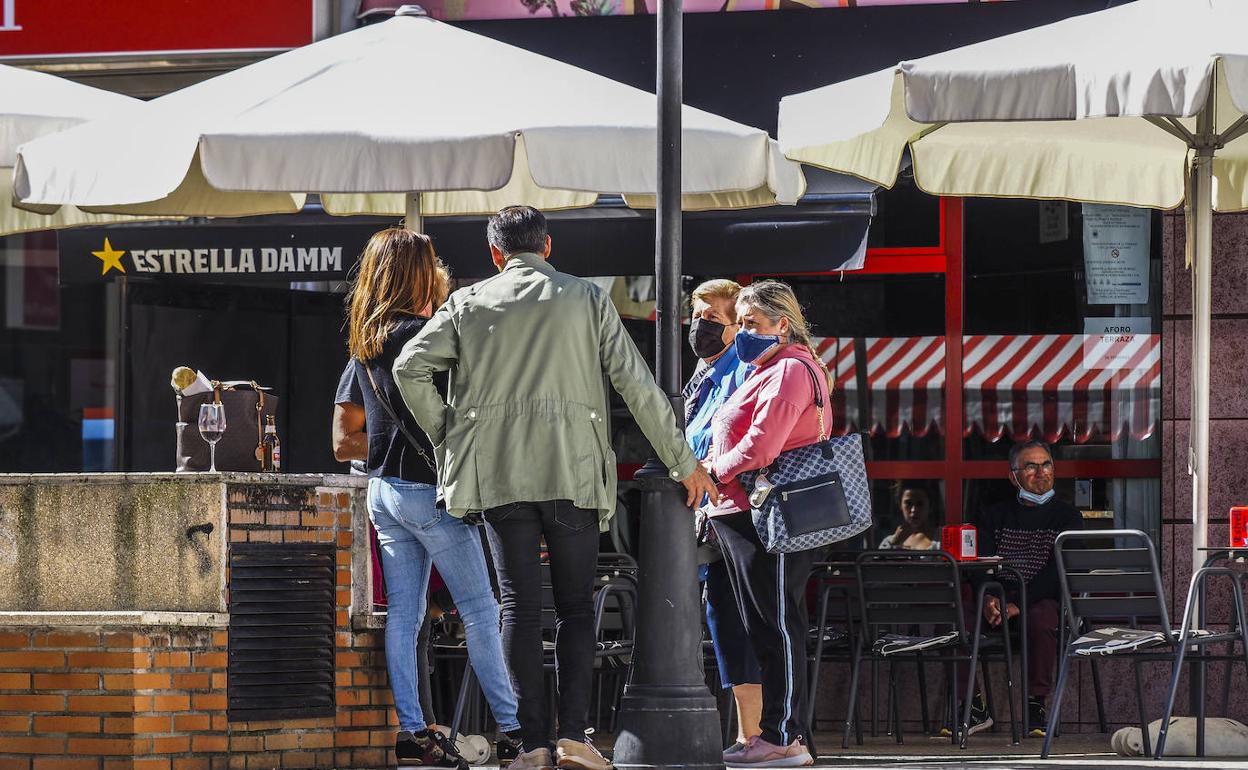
[385, 404]
[814, 384]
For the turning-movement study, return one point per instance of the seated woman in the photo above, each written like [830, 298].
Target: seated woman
[914, 500]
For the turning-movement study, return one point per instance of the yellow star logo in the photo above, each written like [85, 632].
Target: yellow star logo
[111, 259]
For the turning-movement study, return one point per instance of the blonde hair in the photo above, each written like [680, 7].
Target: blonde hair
[398, 274]
[776, 300]
[716, 288]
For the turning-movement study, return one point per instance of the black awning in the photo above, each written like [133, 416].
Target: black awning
[815, 236]
[823, 233]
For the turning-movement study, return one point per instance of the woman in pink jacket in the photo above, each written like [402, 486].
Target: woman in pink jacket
[773, 411]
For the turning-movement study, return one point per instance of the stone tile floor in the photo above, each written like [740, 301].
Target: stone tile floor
[992, 751]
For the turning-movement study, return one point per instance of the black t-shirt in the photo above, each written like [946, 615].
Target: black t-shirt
[389, 451]
[348, 391]
[1024, 535]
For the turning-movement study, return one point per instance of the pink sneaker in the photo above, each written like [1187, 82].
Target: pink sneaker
[760, 753]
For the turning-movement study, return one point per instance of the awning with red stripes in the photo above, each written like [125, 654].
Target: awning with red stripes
[1050, 386]
[903, 386]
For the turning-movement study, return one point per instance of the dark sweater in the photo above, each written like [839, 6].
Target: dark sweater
[1023, 535]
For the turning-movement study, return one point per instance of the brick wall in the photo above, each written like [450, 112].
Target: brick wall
[154, 697]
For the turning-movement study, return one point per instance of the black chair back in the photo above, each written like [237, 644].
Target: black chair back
[1110, 585]
[898, 587]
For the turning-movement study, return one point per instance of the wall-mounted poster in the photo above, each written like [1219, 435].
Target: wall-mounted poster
[1116, 247]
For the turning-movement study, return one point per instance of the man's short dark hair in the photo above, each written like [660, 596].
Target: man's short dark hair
[517, 229]
[1019, 448]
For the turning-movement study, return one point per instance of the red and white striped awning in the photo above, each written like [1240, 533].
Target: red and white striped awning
[904, 378]
[1055, 386]
[1049, 386]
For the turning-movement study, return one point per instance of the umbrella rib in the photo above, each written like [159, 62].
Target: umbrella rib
[1174, 128]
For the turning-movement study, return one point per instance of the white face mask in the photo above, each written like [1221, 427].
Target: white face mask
[1025, 496]
[1032, 497]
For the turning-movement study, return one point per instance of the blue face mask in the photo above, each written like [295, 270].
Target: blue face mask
[1032, 497]
[751, 346]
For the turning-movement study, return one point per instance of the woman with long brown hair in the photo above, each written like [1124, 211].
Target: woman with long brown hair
[397, 285]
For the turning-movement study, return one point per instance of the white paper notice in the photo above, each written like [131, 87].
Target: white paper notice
[1112, 343]
[1053, 224]
[1116, 245]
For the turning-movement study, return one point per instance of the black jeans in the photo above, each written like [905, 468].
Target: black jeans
[771, 594]
[515, 533]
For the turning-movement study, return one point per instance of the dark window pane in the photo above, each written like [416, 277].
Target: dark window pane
[1047, 354]
[906, 217]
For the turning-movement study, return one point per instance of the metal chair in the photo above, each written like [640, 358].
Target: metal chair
[1197, 636]
[615, 605]
[903, 588]
[1120, 585]
[832, 637]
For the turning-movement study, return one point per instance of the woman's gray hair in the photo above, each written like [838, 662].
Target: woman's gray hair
[776, 300]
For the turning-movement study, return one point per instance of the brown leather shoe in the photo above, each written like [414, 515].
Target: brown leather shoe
[580, 755]
[537, 759]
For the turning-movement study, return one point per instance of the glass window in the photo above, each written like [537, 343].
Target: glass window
[907, 514]
[905, 217]
[1062, 329]
[269, 334]
[1106, 503]
[883, 337]
[56, 367]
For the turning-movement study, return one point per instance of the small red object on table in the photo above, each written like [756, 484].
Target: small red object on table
[1239, 527]
[960, 541]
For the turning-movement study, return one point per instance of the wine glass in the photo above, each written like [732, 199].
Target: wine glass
[212, 427]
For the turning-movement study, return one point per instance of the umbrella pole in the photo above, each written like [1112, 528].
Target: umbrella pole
[668, 718]
[1200, 231]
[412, 218]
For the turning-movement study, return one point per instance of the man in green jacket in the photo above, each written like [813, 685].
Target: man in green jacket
[523, 438]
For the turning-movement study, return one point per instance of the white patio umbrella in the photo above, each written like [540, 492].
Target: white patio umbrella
[410, 105]
[1141, 105]
[33, 104]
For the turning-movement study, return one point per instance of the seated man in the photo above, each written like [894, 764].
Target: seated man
[1022, 531]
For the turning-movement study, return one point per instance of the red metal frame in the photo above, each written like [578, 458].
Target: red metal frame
[947, 258]
[954, 469]
[952, 224]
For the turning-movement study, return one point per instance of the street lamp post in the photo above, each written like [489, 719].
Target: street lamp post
[668, 718]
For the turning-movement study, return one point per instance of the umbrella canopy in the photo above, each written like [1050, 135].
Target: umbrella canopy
[33, 104]
[410, 105]
[1036, 108]
[1143, 105]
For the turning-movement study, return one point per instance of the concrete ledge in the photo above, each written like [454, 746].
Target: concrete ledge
[366, 621]
[285, 479]
[116, 618]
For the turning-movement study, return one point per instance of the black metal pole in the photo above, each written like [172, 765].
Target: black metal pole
[668, 717]
[667, 256]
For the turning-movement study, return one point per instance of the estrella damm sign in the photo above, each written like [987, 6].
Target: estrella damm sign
[212, 254]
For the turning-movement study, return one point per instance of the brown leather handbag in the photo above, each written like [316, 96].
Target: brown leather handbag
[247, 404]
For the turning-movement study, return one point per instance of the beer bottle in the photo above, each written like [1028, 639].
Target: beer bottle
[272, 447]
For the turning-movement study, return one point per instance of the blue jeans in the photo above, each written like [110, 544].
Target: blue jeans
[413, 534]
[733, 652]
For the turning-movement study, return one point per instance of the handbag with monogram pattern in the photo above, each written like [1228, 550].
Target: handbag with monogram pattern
[811, 496]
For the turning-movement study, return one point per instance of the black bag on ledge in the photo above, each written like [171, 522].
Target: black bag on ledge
[246, 407]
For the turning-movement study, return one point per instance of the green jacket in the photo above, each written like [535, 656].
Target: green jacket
[527, 414]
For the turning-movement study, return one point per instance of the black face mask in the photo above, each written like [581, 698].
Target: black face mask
[706, 337]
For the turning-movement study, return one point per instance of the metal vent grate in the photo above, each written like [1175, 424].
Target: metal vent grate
[281, 648]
